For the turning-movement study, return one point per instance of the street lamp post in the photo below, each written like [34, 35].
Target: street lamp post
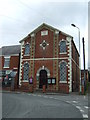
[79, 53]
[84, 64]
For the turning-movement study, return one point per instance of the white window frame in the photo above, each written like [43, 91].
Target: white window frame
[59, 47]
[25, 49]
[66, 72]
[5, 57]
[25, 80]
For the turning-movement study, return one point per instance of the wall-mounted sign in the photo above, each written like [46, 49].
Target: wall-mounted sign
[51, 81]
[37, 78]
[44, 32]
[30, 80]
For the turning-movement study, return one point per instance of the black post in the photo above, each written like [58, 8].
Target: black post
[84, 64]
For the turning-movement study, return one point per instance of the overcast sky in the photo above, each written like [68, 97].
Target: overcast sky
[19, 17]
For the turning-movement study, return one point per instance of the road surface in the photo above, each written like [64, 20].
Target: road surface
[26, 105]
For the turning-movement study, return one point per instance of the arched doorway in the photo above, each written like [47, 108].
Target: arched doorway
[42, 78]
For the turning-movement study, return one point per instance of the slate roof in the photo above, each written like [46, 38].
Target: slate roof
[10, 50]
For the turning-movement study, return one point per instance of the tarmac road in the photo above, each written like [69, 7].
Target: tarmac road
[25, 105]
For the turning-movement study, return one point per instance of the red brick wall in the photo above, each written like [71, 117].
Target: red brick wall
[14, 61]
[64, 88]
[75, 69]
[1, 62]
[48, 52]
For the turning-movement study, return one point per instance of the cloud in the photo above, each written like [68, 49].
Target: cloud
[20, 17]
[89, 34]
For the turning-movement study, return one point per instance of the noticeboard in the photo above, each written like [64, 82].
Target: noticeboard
[52, 81]
[49, 81]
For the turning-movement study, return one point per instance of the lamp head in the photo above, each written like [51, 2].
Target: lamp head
[73, 25]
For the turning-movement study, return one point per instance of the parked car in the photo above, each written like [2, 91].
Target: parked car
[7, 81]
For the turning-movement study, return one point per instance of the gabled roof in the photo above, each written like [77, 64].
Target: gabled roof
[44, 25]
[10, 50]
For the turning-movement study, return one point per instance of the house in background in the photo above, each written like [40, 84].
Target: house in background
[86, 75]
[50, 57]
[9, 61]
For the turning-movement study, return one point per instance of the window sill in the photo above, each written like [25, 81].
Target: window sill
[5, 67]
[27, 55]
[62, 81]
[15, 68]
[63, 53]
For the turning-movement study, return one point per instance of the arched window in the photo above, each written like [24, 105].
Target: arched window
[27, 49]
[63, 46]
[26, 71]
[63, 71]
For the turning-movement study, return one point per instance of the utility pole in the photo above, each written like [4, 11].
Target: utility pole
[84, 63]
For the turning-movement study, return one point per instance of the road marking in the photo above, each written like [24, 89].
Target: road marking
[86, 107]
[68, 101]
[45, 96]
[85, 116]
[84, 97]
[81, 110]
[74, 101]
[78, 107]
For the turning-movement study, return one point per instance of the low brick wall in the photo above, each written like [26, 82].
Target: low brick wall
[63, 88]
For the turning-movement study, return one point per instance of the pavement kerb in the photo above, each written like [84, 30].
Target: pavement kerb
[60, 94]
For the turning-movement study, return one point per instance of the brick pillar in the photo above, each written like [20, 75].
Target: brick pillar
[30, 88]
[55, 55]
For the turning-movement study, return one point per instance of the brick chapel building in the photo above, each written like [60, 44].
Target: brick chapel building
[50, 57]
